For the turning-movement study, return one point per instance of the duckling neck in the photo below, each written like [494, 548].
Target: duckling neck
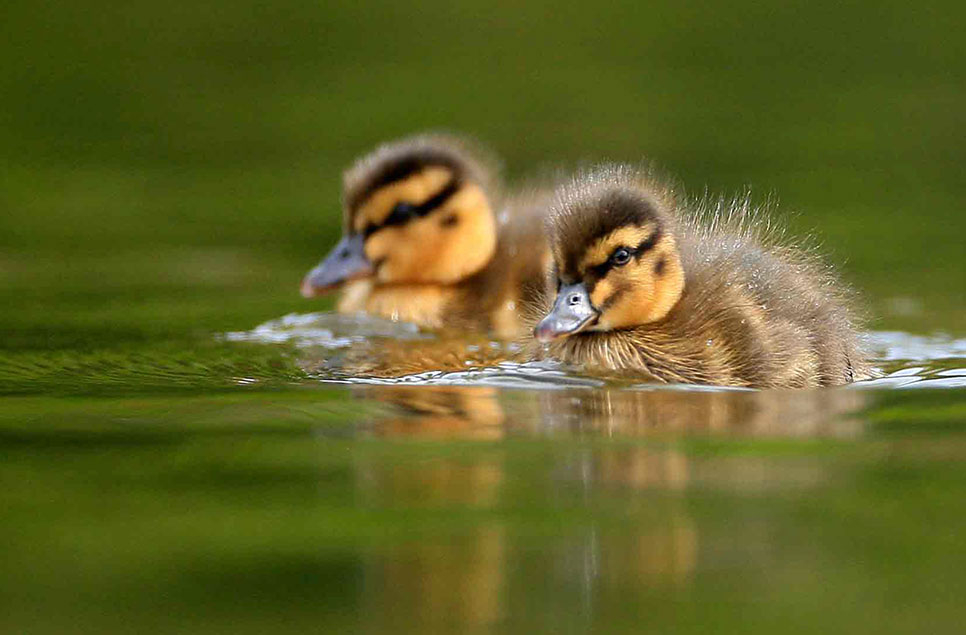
[674, 350]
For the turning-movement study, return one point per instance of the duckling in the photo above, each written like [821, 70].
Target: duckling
[423, 241]
[684, 292]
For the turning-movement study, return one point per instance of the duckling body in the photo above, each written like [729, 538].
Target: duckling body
[429, 239]
[690, 294]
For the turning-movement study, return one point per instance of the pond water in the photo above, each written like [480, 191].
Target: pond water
[337, 473]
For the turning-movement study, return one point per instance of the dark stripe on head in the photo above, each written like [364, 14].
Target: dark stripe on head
[404, 212]
[403, 168]
[600, 271]
[621, 209]
[440, 197]
[596, 218]
[594, 275]
[648, 243]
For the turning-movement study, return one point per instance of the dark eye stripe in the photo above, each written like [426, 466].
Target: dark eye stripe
[402, 213]
[599, 271]
[648, 243]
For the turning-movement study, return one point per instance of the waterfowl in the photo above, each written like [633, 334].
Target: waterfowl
[689, 292]
[428, 238]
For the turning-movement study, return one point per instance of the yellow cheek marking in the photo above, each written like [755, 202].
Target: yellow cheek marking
[632, 306]
[649, 297]
[457, 251]
[424, 251]
[382, 244]
[546, 263]
[415, 189]
[602, 290]
[600, 251]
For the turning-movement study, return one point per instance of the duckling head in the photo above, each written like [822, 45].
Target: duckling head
[616, 260]
[418, 211]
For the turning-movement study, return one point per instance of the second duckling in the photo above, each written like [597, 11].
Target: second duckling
[429, 239]
[689, 293]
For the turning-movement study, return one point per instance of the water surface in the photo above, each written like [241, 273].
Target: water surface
[252, 483]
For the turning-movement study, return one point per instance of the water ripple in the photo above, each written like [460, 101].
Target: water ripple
[361, 349]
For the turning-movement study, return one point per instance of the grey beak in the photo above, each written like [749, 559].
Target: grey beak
[572, 312]
[347, 261]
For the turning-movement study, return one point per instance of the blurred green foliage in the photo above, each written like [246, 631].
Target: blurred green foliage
[187, 154]
[171, 169]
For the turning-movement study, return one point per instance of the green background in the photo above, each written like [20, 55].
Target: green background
[171, 166]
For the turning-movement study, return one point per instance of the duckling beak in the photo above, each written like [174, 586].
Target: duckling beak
[347, 261]
[572, 312]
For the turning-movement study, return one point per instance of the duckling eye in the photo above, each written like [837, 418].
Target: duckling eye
[400, 214]
[621, 256]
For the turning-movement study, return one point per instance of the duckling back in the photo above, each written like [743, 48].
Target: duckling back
[775, 315]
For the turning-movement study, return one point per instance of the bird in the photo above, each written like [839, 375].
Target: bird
[645, 281]
[429, 238]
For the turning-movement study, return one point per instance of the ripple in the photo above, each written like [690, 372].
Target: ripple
[916, 361]
[889, 346]
[362, 349]
[530, 375]
[327, 330]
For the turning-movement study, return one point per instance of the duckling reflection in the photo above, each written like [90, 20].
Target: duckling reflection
[628, 412]
[465, 568]
[438, 412]
[454, 575]
[447, 582]
[484, 412]
[389, 358]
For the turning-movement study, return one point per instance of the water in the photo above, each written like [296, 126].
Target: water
[363, 349]
[252, 484]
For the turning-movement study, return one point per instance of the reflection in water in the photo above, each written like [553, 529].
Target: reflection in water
[436, 577]
[437, 412]
[628, 523]
[457, 582]
[582, 492]
[394, 358]
[484, 412]
[656, 411]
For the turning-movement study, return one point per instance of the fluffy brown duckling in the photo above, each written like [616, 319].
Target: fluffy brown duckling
[428, 239]
[689, 293]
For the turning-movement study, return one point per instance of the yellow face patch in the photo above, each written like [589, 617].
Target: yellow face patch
[445, 246]
[600, 251]
[643, 291]
[415, 189]
[603, 289]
